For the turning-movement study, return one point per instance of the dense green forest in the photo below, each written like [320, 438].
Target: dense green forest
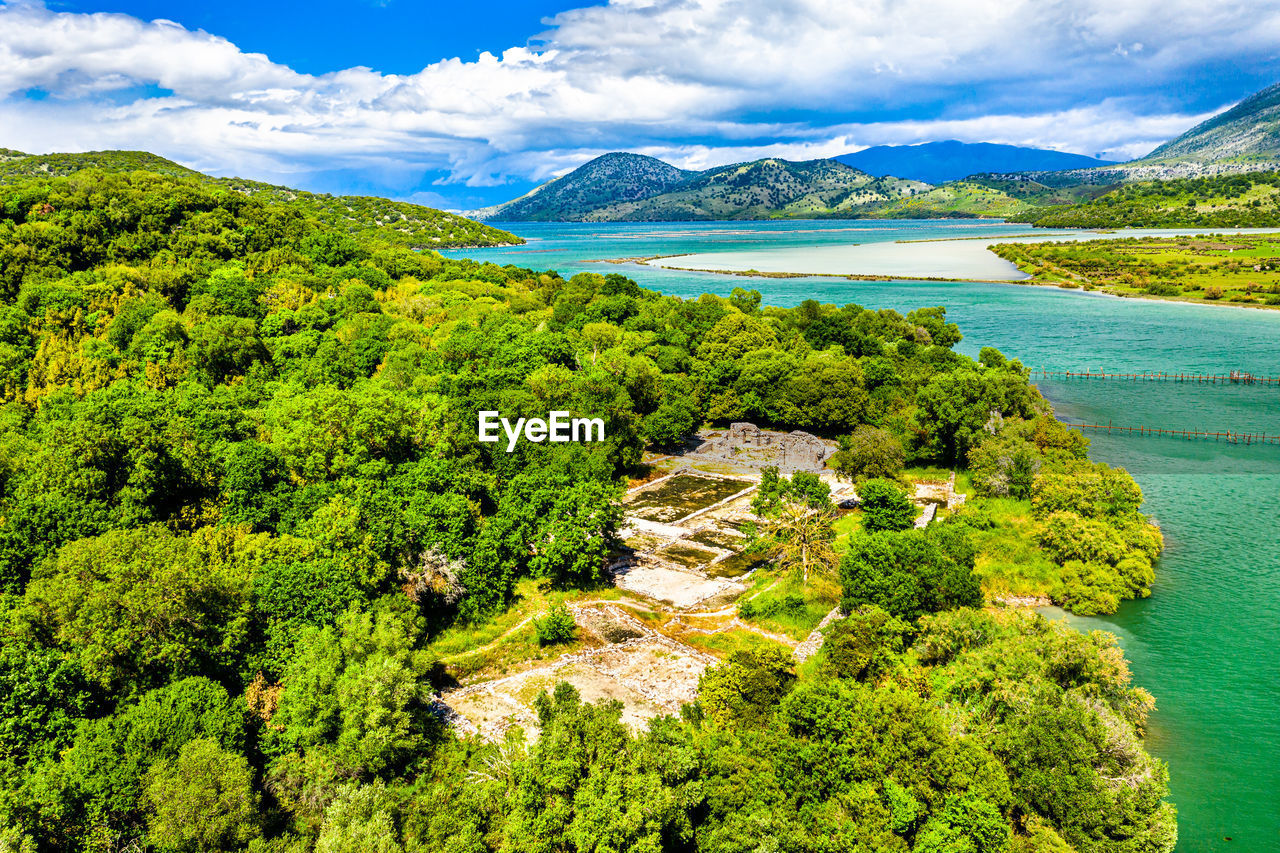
[240, 491]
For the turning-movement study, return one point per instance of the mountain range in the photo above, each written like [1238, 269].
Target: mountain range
[933, 179]
[636, 188]
[951, 160]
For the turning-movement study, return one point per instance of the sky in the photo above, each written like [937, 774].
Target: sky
[464, 104]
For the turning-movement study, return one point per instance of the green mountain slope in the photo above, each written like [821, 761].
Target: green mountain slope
[958, 199]
[34, 165]
[1245, 200]
[764, 189]
[617, 178]
[399, 223]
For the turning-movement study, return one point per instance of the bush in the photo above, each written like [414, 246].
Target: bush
[910, 573]
[1004, 466]
[746, 689]
[1163, 288]
[886, 506]
[790, 605]
[557, 626]
[863, 645]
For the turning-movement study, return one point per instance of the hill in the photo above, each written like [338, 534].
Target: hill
[616, 178]
[399, 223]
[950, 160]
[1246, 200]
[15, 163]
[249, 546]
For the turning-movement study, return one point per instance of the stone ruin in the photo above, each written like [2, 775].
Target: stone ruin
[746, 444]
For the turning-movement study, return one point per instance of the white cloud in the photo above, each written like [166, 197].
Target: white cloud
[696, 81]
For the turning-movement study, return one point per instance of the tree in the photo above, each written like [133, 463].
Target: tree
[868, 452]
[934, 323]
[745, 690]
[42, 693]
[799, 538]
[203, 800]
[358, 691]
[885, 506]
[102, 777]
[1092, 490]
[746, 301]
[556, 626]
[137, 607]
[1004, 466]
[802, 487]
[864, 644]
[955, 407]
[966, 825]
[361, 819]
[577, 534]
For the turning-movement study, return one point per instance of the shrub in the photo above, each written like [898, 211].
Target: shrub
[790, 604]
[557, 626]
[911, 572]
[886, 506]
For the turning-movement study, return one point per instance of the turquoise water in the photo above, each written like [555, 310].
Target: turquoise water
[1205, 641]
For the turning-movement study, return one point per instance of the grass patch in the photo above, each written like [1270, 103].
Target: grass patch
[735, 566]
[845, 526]
[689, 556]
[504, 641]
[1009, 561]
[786, 608]
[927, 475]
[727, 642]
[1236, 269]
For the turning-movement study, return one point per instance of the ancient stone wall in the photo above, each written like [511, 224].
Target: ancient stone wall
[746, 444]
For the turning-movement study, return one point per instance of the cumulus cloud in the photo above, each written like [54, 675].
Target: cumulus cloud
[699, 82]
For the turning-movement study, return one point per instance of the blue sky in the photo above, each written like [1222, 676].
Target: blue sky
[461, 105]
[395, 37]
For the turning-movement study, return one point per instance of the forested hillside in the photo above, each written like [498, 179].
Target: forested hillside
[14, 164]
[241, 492]
[409, 225]
[608, 179]
[1247, 200]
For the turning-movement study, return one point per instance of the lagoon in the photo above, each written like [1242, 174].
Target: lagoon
[965, 257]
[1203, 643]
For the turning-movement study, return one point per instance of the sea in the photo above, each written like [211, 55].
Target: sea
[1206, 643]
